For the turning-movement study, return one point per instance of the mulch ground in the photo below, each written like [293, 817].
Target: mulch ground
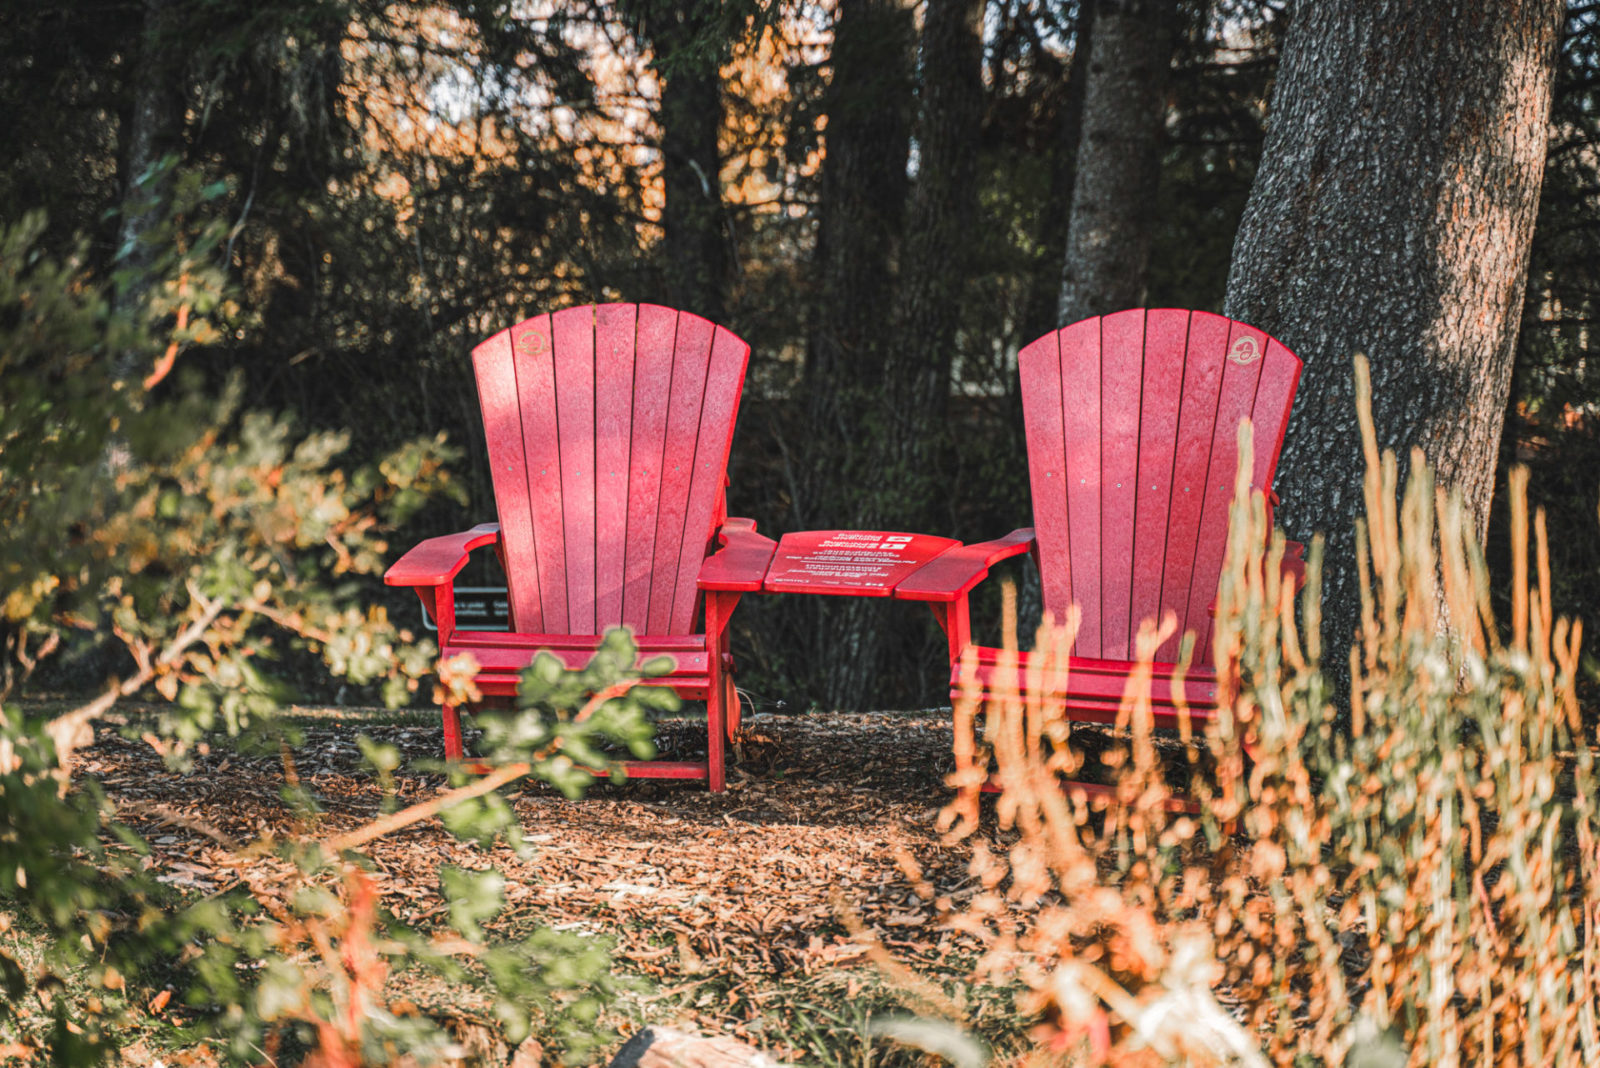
[739, 893]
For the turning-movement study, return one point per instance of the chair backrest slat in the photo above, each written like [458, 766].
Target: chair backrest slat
[1043, 408]
[573, 335]
[1236, 397]
[495, 367]
[692, 355]
[615, 331]
[608, 429]
[1080, 390]
[713, 439]
[1166, 336]
[1132, 421]
[1122, 380]
[534, 360]
[1197, 413]
[652, 377]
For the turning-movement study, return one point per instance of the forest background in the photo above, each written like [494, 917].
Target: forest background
[876, 195]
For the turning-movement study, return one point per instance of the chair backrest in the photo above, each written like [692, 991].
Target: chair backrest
[608, 429]
[1132, 422]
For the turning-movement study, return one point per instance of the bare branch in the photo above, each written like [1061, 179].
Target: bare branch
[164, 365]
[71, 730]
[422, 810]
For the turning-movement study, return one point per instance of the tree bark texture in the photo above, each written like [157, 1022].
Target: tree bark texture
[152, 129]
[927, 310]
[1119, 156]
[1044, 291]
[864, 190]
[908, 432]
[1392, 215]
[864, 186]
[696, 245]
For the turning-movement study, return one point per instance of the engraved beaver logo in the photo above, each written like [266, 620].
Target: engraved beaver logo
[531, 343]
[1245, 351]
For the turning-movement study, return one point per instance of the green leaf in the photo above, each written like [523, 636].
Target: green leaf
[381, 755]
[472, 898]
[282, 991]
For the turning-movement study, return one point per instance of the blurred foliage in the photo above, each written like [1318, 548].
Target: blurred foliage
[298, 953]
[165, 519]
[208, 542]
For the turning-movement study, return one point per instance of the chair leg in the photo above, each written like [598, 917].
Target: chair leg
[730, 708]
[452, 732]
[716, 730]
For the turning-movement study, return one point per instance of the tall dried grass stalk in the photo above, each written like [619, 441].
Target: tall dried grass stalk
[1419, 873]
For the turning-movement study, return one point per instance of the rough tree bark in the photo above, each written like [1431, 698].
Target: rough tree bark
[927, 310]
[1044, 291]
[152, 128]
[1392, 215]
[864, 187]
[695, 243]
[909, 428]
[1119, 156]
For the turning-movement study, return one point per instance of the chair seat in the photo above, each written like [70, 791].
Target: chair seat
[1093, 687]
[501, 656]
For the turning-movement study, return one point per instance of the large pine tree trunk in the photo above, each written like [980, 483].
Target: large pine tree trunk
[696, 247]
[863, 209]
[151, 130]
[864, 186]
[1119, 156]
[1392, 215]
[1044, 288]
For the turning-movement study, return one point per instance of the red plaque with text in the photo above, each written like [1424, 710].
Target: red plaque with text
[855, 563]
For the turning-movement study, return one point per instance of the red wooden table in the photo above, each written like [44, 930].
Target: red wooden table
[846, 563]
[850, 563]
[854, 563]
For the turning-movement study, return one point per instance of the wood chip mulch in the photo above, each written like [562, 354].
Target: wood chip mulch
[744, 885]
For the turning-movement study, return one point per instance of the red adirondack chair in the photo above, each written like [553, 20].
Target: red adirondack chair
[1132, 423]
[608, 429]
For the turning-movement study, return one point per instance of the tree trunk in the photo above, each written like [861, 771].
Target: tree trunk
[1044, 290]
[1392, 215]
[1119, 157]
[909, 452]
[695, 246]
[863, 212]
[152, 130]
[864, 188]
[944, 206]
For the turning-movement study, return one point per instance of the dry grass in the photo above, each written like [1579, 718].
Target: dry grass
[1419, 885]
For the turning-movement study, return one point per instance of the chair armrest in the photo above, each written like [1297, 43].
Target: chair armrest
[741, 562]
[436, 561]
[952, 574]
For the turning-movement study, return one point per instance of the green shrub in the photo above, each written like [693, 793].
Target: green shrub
[139, 508]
